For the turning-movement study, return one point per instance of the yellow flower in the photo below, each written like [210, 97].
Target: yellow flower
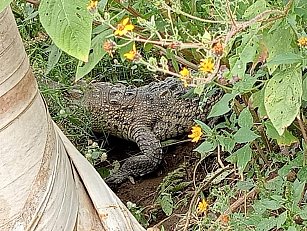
[133, 54]
[202, 206]
[124, 27]
[184, 72]
[206, 65]
[92, 5]
[196, 133]
[302, 41]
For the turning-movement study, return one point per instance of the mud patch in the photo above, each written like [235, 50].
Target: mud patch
[144, 191]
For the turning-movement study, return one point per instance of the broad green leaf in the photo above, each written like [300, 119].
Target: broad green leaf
[69, 24]
[271, 204]
[298, 189]
[245, 119]
[292, 228]
[282, 98]
[244, 155]
[205, 148]
[257, 100]
[286, 58]
[245, 53]
[285, 139]
[222, 107]
[278, 41]
[102, 5]
[241, 157]
[53, 58]
[166, 203]
[244, 135]
[244, 85]
[303, 213]
[245, 185]
[97, 52]
[255, 9]
[3, 4]
[302, 174]
[204, 127]
[227, 143]
[304, 96]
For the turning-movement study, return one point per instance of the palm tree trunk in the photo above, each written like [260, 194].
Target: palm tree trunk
[45, 183]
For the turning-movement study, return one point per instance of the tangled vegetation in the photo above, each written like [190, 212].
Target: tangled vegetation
[254, 50]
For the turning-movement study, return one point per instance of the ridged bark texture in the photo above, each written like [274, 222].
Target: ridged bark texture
[45, 183]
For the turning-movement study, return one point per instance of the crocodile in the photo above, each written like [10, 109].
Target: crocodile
[145, 115]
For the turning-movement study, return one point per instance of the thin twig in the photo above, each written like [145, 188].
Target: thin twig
[219, 160]
[233, 22]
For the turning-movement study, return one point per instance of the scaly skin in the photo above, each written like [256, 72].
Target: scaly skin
[145, 115]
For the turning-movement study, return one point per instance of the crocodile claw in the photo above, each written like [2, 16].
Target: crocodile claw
[116, 178]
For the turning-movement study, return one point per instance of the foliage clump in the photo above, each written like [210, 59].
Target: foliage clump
[255, 51]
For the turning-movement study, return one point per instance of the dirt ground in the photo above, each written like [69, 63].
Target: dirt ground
[143, 192]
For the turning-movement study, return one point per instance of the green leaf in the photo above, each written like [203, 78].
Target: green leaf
[245, 119]
[298, 188]
[304, 96]
[102, 5]
[285, 139]
[205, 147]
[207, 130]
[244, 135]
[302, 174]
[227, 143]
[292, 228]
[95, 56]
[53, 58]
[257, 101]
[244, 85]
[271, 204]
[3, 4]
[124, 49]
[303, 213]
[282, 98]
[245, 53]
[255, 9]
[199, 89]
[222, 107]
[166, 203]
[69, 24]
[278, 41]
[241, 157]
[286, 58]
[245, 185]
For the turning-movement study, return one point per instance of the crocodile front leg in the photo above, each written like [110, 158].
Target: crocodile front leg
[142, 164]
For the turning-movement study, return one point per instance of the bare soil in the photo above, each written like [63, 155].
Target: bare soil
[144, 191]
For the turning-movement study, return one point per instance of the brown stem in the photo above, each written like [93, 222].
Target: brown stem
[303, 131]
